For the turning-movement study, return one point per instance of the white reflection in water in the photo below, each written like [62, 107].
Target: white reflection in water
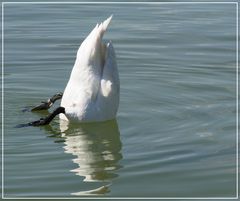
[96, 147]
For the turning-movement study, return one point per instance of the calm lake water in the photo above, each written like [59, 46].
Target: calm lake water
[175, 132]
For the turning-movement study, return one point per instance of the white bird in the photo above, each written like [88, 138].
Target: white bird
[92, 92]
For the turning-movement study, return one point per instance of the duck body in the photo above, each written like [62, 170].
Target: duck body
[92, 92]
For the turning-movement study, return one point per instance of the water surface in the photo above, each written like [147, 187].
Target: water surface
[175, 133]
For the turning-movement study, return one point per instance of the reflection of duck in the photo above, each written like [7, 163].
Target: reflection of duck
[97, 149]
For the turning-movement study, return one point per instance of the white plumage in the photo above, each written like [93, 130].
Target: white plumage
[92, 92]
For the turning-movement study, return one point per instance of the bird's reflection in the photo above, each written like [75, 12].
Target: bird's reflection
[97, 151]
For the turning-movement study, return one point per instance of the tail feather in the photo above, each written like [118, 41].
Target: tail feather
[103, 26]
[94, 39]
[107, 22]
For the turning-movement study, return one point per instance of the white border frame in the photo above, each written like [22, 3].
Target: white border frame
[104, 2]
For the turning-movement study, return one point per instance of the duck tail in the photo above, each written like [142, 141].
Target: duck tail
[103, 26]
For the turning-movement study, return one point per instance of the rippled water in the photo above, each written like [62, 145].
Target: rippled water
[175, 132]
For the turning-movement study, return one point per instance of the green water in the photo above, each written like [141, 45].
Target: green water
[175, 132]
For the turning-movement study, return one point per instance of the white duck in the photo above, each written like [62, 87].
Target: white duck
[92, 92]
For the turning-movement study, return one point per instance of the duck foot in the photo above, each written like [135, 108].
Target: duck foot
[48, 119]
[47, 104]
